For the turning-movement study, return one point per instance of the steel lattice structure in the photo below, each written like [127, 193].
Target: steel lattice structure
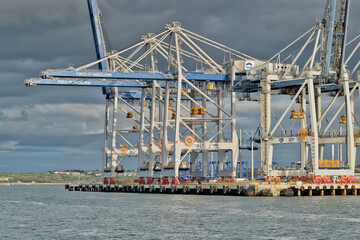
[181, 115]
[173, 88]
[324, 79]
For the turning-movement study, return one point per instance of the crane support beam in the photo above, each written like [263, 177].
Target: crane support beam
[82, 83]
[133, 75]
[113, 79]
[247, 86]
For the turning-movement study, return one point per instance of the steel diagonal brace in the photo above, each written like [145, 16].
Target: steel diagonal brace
[121, 136]
[329, 106]
[130, 56]
[288, 108]
[163, 53]
[119, 161]
[137, 121]
[298, 55]
[333, 119]
[352, 53]
[292, 54]
[222, 128]
[356, 66]
[117, 53]
[121, 59]
[327, 121]
[120, 65]
[272, 110]
[277, 54]
[186, 53]
[157, 97]
[220, 46]
[292, 125]
[216, 68]
[183, 52]
[206, 96]
[198, 104]
[193, 132]
[208, 130]
[173, 128]
[182, 105]
[309, 60]
[131, 107]
[338, 111]
[185, 155]
[148, 51]
[355, 119]
[127, 104]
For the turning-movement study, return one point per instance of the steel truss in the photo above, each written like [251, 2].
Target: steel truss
[182, 115]
[326, 79]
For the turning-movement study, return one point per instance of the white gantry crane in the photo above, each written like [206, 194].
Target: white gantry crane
[320, 116]
[178, 95]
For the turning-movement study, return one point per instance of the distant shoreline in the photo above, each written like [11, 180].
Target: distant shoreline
[60, 178]
[31, 184]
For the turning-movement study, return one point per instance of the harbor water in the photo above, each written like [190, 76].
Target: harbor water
[51, 212]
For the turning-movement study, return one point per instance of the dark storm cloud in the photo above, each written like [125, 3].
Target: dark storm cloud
[250, 26]
[61, 126]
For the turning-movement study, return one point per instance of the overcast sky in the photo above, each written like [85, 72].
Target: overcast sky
[48, 128]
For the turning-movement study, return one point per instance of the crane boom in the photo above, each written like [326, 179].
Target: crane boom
[100, 48]
[335, 25]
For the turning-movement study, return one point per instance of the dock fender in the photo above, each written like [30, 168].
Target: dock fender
[288, 192]
[225, 189]
[213, 189]
[249, 192]
[239, 190]
[266, 193]
[199, 189]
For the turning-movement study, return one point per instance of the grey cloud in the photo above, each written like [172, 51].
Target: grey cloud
[23, 116]
[41, 34]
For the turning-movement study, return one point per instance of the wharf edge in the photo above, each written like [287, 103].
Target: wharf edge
[243, 189]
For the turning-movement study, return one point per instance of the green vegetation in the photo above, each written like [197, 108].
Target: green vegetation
[64, 177]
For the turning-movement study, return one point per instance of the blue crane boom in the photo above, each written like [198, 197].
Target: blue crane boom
[133, 75]
[82, 83]
[100, 48]
[113, 79]
[336, 26]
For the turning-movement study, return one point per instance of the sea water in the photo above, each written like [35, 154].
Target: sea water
[51, 212]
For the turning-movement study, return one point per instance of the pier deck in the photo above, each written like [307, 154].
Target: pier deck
[235, 189]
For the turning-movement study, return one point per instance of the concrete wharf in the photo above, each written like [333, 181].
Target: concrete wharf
[234, 189]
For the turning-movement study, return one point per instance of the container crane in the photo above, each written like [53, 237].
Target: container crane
[171, 139]
[326, 77]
